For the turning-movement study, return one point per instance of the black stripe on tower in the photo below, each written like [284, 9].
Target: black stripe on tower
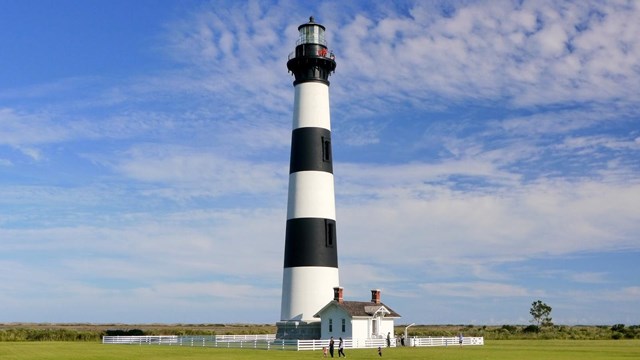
[310, 242]
[311, 150]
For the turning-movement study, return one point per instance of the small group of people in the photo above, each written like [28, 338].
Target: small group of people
[399, 340]
[331, 348]
[341, 346]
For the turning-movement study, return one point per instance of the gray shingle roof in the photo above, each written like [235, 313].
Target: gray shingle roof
[360, 308]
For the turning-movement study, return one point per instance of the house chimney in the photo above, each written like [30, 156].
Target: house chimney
[375, 296]
[337, 294]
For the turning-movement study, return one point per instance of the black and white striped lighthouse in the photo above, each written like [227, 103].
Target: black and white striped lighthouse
[311, 255]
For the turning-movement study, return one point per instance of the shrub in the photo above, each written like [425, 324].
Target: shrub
[119, 332]
[531, 329]
[618, 327]
[510, 328]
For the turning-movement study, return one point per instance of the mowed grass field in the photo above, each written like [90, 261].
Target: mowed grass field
[493, 350]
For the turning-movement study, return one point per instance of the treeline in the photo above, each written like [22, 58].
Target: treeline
[26, 334]
[522, 332]
[35, 334]
[85, 332]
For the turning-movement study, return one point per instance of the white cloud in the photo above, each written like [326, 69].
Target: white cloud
[193, 172]
[414, 222]
[590, 277]
[18, 129]
[538, 53]
[589, 144]
[476, 290]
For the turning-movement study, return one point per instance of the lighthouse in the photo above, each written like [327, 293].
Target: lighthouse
[311, 253]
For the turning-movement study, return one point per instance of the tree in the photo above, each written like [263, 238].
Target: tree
[618, 327]
[541, 313]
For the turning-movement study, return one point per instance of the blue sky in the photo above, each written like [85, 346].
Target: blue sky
[485, 156]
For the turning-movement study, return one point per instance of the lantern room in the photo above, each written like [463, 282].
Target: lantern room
[311, 60]
[311, 33]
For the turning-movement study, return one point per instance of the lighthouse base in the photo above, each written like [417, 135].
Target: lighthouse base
[298, 330]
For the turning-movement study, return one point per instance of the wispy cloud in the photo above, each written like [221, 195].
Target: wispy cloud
[523, 221]
[534, 54]
[477, 290]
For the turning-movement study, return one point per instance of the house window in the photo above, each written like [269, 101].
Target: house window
[344, 325]
[330, 325]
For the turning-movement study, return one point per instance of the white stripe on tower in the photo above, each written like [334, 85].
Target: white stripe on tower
[311, 257]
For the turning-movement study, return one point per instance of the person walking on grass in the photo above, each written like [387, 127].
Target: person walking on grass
[331, 345]
[341, 348]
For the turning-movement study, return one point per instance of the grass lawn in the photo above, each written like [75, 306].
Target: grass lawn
[493, 350]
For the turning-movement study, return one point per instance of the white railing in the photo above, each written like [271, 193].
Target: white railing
[159, 340]
[245, 337]
[269, 342]
[381, 342]
[322, 343]
[327, 54]
[372, 343]
[445, 341]
[313, 344]
[348, 343]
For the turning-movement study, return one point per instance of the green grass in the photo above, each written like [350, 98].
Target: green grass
[493, 350]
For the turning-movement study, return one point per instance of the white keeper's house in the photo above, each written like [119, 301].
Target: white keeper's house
[356, 319]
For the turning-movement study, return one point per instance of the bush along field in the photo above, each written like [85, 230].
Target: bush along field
[94, 332]
[525, 332]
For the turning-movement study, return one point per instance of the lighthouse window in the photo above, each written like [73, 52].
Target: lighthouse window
[326, 149]
[330, 325]
[312, 34]
[330, 232]
[344, 325]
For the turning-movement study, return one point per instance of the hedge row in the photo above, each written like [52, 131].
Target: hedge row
[505, 332]
[514, 332]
